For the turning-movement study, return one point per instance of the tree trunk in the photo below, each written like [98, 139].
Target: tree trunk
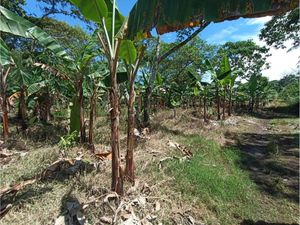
[130, 132]
[129, 171]
[3, 87]
[22, 115]
[117, 170]
[204, 108]
[224, 104]
[147, 96]
[257, 103]
[45, 104]
[252, 104]
[218, 103]
[137, 114]
[230, 103]
[4, 114]
[82, 124]
[91, 121]
[75, 115]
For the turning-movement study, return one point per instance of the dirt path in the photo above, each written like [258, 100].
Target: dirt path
[272, 154]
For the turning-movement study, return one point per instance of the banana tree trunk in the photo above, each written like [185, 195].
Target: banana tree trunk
[129, 170]
[138, 111]
[81, 109]
[218, 103]
[75, 115]
[252, 104]
[130, 134]
[91, 121]
[45, 104]
[230, 103]
[224, 104]
[22, 109]
[4, 106]
[117, 170]
[147, 96]
[204, 108]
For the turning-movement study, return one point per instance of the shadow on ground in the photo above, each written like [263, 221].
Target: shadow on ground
[251, 222]
[273, 112]
[272, 160]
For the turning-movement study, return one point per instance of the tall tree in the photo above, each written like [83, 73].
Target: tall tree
[282, 28]
[245, 56]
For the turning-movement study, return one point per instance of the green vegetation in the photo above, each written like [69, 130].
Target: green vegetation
[214, 177]
[83, 107]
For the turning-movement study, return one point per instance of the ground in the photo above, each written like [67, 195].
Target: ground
[244, 170]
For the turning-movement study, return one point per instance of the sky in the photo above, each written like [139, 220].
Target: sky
[281, 61]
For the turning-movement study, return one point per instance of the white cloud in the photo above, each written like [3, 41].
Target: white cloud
[281, 63]
[258, 21]
[223, 34]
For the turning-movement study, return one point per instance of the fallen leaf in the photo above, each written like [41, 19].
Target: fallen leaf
[105, 219]
[104, 156]
[157, 206]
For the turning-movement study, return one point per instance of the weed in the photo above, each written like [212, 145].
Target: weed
[68, 140]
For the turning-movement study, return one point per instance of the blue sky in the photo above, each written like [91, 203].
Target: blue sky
[215, 33]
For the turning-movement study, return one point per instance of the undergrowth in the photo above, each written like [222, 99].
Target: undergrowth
[214, 177]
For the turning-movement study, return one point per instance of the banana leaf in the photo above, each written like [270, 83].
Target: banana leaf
[172, 15]
[5, 56]
[14, 24]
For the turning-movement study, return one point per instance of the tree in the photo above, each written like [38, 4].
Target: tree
[257, 85]
[282, 28]
[290, 93]
[245, 56]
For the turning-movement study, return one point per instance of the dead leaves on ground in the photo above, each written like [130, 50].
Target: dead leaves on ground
[140, 206]
[184, 150]
[104, 156]
[60, 167]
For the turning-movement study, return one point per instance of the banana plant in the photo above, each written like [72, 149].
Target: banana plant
[201, 87]
[224, 78]
[112, 26]
[6, 63]
[95, 88]
[19, 79]
[16, 25]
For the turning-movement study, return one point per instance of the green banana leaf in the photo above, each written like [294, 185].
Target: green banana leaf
[171, 15]
[5, 56]
[14, 24]
[96, 10]
[225, 68]
[93, 10]
[127, 51]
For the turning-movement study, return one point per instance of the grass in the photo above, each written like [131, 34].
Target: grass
[212, 185]
[213, 177]
[284, 121]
